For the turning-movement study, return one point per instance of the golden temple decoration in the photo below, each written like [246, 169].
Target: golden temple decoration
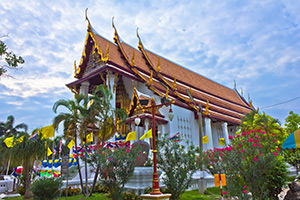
[167, 94]
[115, 82]
[107, 51]
[76, 70]
[206, 112]
[174, 84]
[74, 90]
[151, 78]
[250, 103]
[102, 78]
[158, 65]
[87, 19]
[132, 59]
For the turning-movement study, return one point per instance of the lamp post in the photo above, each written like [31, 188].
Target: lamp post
[153, 106]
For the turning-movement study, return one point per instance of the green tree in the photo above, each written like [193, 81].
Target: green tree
[71, 121]
[9, 129]
[28, 151]
[292, 122]
[106, 119]
[179, 162]
[11, 60]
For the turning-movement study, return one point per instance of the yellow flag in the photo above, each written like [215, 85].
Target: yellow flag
[222, 141]
[205, 139]
[20, 140]
[47, 132]
[131, 136]
[148, 134]
[9, 141]
[71, 144]
[89, 138]
[49, 152]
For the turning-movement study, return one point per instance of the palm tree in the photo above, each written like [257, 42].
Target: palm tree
[28, 151]
[8, 127]
[269, 124]
[105, 119]
[72, 120]
[248, 122]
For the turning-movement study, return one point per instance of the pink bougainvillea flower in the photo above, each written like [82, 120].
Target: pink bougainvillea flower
[225, 193]
[111, 159]
[260, 145]
[250, 140]
[138, 158]
[143, 155]
[230, 137]
[238, 135]
[261, 154]
[275, 141]
[118, 161]
[254, 144]
[278, 149]
[245, 186]
[252, 131]
[240, 145]
[245, 191]
[244, 133]
[256, 136]
[275, 153]
[242, 150]
[255, 159]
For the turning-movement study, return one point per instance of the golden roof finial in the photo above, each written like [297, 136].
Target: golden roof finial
[174, 84]
[158, 65]
[132, 59]
[75, 68]
[107, 51]
[140, 47]
[151, 78]
[167, 93]
[206, 112]
[86, 18]
[116, 37]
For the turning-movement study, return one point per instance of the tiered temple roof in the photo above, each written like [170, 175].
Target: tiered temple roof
[159, 75]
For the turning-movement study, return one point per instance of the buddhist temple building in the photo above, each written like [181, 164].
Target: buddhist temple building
[135, 76]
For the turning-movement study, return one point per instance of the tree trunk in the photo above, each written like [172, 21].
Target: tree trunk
[3, 167]
[85, 164]
[95, 179]
[79, 170]
[28, 194]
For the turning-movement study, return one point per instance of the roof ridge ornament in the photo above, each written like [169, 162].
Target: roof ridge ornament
[206, 112]
[87, 19]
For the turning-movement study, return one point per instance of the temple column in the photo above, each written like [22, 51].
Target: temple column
[133, 127]
[146, 129]
[84, 87]
[208, 132]
[110, 80]
[225, 133]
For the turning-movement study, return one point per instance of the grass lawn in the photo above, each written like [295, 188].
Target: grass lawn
[210, 194]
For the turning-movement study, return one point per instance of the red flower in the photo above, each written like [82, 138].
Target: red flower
[230, 137]
[245, 191]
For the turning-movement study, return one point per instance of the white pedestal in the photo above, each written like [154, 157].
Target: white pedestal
[160, 197]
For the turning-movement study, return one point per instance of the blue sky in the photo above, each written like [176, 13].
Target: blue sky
[256, 43]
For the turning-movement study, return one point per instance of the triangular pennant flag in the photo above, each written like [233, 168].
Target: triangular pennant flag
[49, 152]
[148, 134]
[47, 132]
[9, 141]
[34, 135]
[222, 141]
[20, 139]
[174, 137]
[71, 144]
[205, 139]
[131, 136]
[89, 138]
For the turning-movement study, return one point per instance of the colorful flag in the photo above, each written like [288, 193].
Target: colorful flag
[205, 139]
[20, 139]
[49, 152]
[9, 141]
[34, 135]
[174, 137]
[60, 146]
[89, 137]
[222, 141]
[71, 144]
[131, 136]
[54, 151]
[47, 132]
[148, 134]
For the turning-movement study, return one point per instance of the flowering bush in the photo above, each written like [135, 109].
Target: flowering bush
[252, 165]
[116, 167]
[179, 164]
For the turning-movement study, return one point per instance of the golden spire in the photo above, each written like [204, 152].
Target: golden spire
[116, 37]
[158, 65]
[75, 68]
[86, 18]
[206, 112]
[140, 47]
[151, 78]
[167, 93]
[132, 59]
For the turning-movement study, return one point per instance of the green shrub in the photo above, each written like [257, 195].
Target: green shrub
[71, 191]
[46, 188]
